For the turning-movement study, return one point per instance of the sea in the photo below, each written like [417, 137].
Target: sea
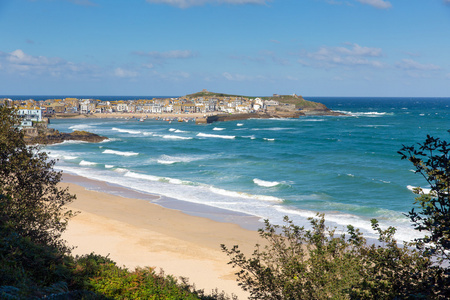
[346, 167]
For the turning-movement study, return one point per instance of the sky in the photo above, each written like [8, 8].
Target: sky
[342, 48]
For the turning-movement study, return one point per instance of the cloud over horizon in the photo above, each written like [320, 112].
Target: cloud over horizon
[353, 55]
[189, 3]
[381, 4]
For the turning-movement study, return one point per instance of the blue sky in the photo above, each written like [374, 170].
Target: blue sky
[252, 47]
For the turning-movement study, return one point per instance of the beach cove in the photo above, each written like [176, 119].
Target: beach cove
[136, 233]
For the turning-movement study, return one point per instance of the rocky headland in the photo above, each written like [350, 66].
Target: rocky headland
[51, 136]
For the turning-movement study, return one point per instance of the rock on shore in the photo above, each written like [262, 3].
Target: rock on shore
[54, 137]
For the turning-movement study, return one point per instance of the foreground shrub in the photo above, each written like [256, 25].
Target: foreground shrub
[318, 264]
[101, 275]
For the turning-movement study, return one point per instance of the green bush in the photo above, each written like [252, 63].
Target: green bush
[296, 263]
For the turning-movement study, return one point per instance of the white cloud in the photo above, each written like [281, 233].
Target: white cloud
[20, 63]
[148, 66]
[158, 57]
[83, 2]
[377, 3]
[189, 3]
[122, 73]
[409, 64]
[174, 54]
[240, 77]
[350, 56]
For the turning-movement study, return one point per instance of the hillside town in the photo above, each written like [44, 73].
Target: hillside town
[186, 105]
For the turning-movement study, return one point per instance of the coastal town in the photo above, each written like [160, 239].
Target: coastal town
[187, 104]
[201, 106]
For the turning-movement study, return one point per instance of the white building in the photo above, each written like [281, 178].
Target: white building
[29, 116]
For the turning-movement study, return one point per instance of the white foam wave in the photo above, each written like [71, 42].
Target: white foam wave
[270, 140]
[216, 136]
[70, 157]
[70, 142]
[366, 114]
[121, 170]
[176, 137]
[127, 130]
[80, 127]
[239, 124]
[179, 131]
[141, 176]
[265, 183]
[313, 120]
[172, 129]
[218, 128]
[121, 153]
[168, 160]
[157, 178]
[244, 195]
[87, 163]
[109, 166]
[424, 190]
[272, 129]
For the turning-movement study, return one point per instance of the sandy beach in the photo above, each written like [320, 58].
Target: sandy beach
[137, 233]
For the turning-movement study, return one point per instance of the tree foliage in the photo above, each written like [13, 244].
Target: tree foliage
[34, 204]
[432, 160]
[296, 263]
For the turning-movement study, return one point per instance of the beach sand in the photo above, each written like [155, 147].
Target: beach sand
[138, 233]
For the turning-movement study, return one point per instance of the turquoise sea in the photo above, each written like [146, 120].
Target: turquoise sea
[347, 166]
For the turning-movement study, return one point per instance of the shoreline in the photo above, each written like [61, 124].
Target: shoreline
[140, 232]
[245, 221]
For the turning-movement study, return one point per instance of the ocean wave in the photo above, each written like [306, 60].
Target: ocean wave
[218, 128]
[374, 126]
[244, 195]
[366, 114]
[312, 120]
[127, 130]
[216, 136]
[239, 124]
[424, 190]
[80, 127]
[87, 163]
[168, 160]
[69, 142]
[109, 140]
[264, 183]
[175, 137]
[69, 157]
[269, 139]
[121, 153]
[157, 178]
[109, 166]
[272, 129]
[141, 176]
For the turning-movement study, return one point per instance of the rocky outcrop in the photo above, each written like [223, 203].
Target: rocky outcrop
[54, 137]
